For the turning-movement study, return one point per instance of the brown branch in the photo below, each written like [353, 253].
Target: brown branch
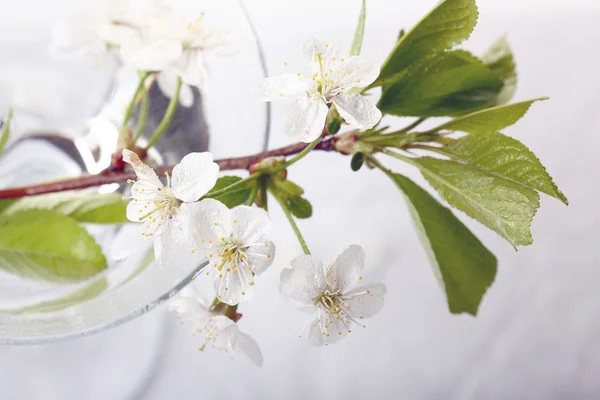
[119, 177]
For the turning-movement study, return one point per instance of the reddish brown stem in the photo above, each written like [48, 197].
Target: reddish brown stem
[119, 177]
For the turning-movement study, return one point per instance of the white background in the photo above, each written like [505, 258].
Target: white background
[537, 335]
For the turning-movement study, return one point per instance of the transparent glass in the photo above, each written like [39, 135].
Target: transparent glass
[65, 126]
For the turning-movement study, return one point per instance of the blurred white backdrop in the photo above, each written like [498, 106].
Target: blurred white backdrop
[537, 335]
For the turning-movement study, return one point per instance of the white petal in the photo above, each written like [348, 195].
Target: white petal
[253, 225]
[205, 221]
[191, 69]
[188, 303]
[194, 176]
[282, 87]
[186, 96]
[305, 119]
[315, 335]
[141, 170]
[137, 209]
[117, 35]
[261, 256]
[248, 346]
[347, 268]
[357, 110]
[364, 301]
[358, 72]
[151, 56]
[305, 281]
[312, 47]
[167, 82]
[328, 329]
[165, 249]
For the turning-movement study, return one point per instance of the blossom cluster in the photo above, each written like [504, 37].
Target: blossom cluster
[177, 212]
[164, 37]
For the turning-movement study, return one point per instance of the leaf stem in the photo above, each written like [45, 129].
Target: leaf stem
[131, 106]
[143, 117]
[253, 194]
[263, 195]
[293, 160]
[164, 124]
[379, 165]
[412, 126]
[290, 218]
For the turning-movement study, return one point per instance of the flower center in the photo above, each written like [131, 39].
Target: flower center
[165, 207]
[231, 252]
[330, 300]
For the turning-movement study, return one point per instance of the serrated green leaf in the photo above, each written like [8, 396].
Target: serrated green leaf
[489, 120]
[46, 245]
[502, 205]
[232, 199]
[357, 161]
[288, 188]
[449, 84]
[300, 207]
[82, 295]
[87, 207]
[462, 264]
[500, 59]
[360, 30]
[505, 157]
[5, 132]
[447, 25]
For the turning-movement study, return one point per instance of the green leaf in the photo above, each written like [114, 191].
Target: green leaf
[502, 205]
[489, 120]
[505, 157]
[300, 207]
[462, 264]
[5, 133]
[360, 30]
[500, 59]
[288, 188]
[46, 245]
[449, 84]
[232, 199]
[87, 207]
[447, 25]
[357, 161]
[5, 203]
[82, 295]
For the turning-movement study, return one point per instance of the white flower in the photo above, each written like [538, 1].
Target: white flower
[175, 45]
[333, 75]
[238, 245]
[104, 25]
[331, 294]
[168, 211]
[218, 330]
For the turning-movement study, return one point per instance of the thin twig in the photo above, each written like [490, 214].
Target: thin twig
[120, 177]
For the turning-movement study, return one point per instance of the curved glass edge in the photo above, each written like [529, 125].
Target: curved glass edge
[263, 65]
[120, 321]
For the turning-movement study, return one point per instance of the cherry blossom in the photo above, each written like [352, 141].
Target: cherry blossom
[218, 330]
[168, 211]
[333, 77]
[237, 243]
[331, 295]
